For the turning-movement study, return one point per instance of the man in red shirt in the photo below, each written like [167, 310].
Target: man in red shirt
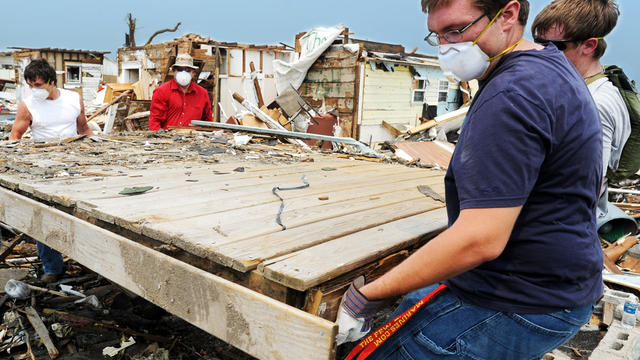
[180, 100]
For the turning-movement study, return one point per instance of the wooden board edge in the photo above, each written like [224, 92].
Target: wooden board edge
[431, 230]
[254, 323]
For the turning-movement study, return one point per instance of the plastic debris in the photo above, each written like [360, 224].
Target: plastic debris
[136, 190]
[17, 289]
[113, 351]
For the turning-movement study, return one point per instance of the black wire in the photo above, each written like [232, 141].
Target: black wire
[276, 188]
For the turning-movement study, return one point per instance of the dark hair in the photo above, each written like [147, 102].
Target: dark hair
[40, 68]
[490, 7]
[579, 20]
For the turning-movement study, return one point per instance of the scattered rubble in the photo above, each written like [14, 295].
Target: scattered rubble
[58, 321]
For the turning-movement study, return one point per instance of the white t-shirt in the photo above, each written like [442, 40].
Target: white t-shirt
[54, 118]
[616, 127]
[614, 117]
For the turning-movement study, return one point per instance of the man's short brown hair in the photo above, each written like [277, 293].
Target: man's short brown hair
[490, 7]
[579, 20]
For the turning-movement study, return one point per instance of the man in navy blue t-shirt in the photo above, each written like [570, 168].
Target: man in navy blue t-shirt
[520, 260]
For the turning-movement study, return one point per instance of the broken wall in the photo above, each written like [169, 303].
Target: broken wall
[333, 80]
[236, 76]
[7, 72]
[150, 65]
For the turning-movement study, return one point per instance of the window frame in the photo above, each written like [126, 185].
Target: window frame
[441, 91]
[422, 90]
[67, 79]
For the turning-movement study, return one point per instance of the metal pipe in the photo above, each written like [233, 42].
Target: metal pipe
[290, 134]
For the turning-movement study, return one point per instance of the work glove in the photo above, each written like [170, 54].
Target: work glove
[356, 312]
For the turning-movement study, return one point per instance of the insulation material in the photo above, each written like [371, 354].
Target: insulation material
[313, 44]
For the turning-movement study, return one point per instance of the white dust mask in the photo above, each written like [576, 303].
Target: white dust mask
[183, 78]
[466, 61]
[39, 94]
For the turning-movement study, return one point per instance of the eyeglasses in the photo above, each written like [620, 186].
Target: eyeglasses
[178, 69]
[560, 44]
[452, 36]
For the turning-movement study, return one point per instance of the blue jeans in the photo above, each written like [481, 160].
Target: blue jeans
[450, 328]
[51, 259]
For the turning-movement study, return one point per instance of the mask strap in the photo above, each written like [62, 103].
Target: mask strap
[505, 50]
[487, 27]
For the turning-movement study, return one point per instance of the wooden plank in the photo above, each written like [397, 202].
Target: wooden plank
[256, 84]
[310, 267]
[256, 324]
[195, 199]
[9, 247]
[42, 331]
[238, 190]
[392, 129]
[247, 254]
[324, 300]
[202, 235]
[169, 177]
[309, 209]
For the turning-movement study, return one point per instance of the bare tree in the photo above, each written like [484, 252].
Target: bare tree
[132, 30]
[162, 31]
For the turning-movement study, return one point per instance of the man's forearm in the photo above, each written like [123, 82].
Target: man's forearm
[441, 258]
[479, 235]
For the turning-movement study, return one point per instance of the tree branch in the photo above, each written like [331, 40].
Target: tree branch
[162, 31]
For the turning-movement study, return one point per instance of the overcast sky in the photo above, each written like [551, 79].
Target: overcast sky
[101, 25]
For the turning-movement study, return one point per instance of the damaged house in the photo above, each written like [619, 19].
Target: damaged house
[225, 68]
[378, 88]
[7, 72]
[80, 70]
[372, 86]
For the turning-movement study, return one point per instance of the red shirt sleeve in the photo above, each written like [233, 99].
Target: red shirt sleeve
[158, 110]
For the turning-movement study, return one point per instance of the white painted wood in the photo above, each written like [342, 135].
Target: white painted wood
[111, 116]
[235, 62]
